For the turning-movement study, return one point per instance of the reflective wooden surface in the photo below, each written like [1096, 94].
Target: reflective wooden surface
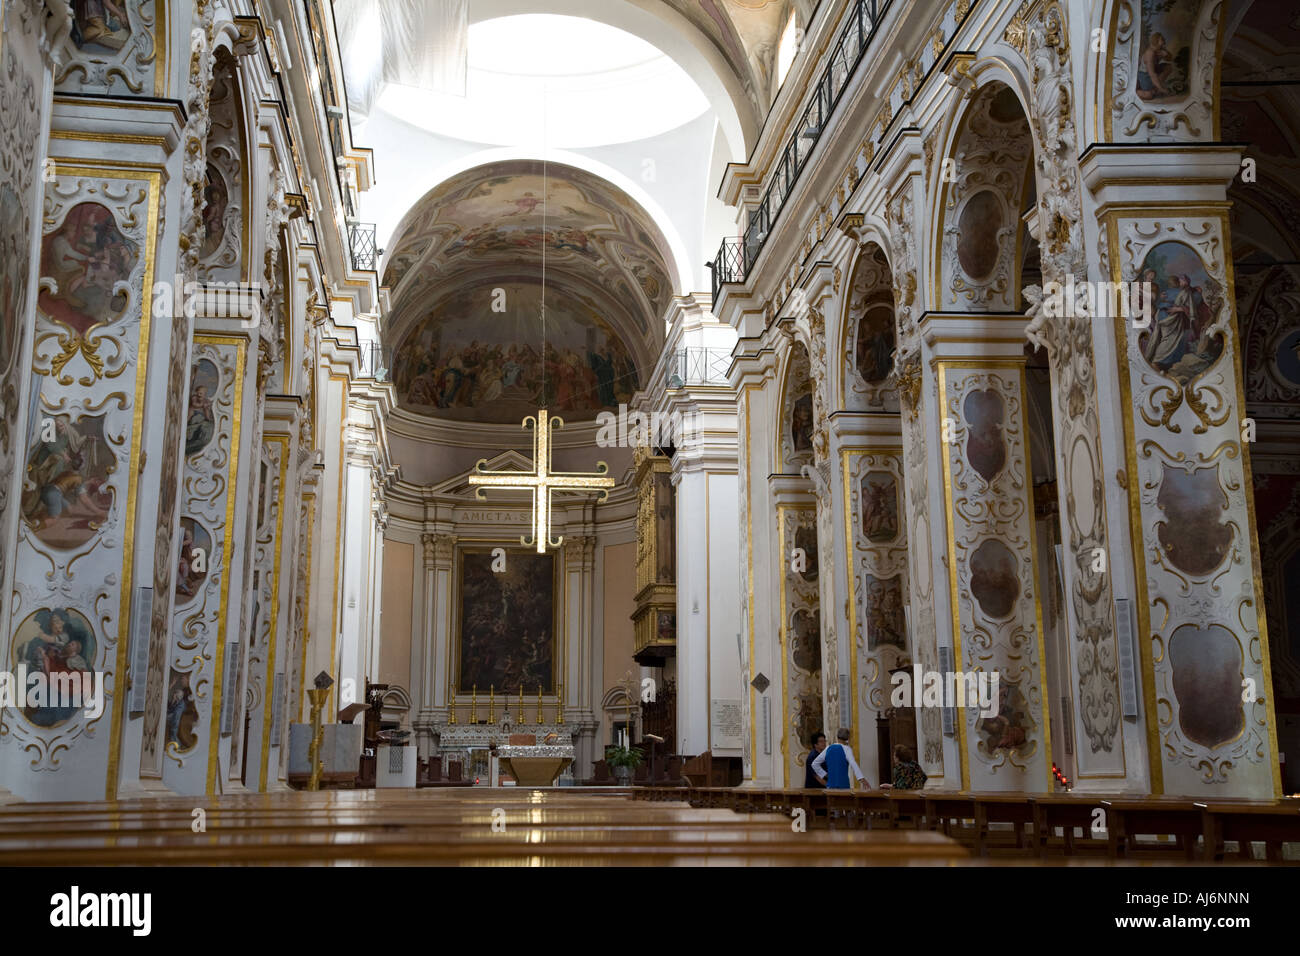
[455, 827]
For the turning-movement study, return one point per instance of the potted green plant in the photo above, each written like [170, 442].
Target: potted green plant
[624, 760]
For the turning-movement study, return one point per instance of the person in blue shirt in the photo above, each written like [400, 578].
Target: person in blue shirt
[810, 779]
[834, 764]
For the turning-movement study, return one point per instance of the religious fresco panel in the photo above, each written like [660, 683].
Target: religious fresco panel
[1163, 71]
[86, 258]
[114, 47]
[1185, 303]
[55, 642]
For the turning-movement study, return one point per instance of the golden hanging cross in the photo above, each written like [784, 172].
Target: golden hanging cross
[541, 481]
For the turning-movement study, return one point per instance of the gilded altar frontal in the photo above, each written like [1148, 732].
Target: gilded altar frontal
[651, 433]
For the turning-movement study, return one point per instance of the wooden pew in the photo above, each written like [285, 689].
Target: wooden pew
[1014, 808]
[947, 810]
[443, 827]
[1129, 817]
[908, 805]
[1067, 811]
[1272, 822]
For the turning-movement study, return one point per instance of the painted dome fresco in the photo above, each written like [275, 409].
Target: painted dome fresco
[494, 348]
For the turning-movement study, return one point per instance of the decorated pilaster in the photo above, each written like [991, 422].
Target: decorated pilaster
[1204, 644]
[809, 304]
[30, 45]
[929, 615]
[867, 435]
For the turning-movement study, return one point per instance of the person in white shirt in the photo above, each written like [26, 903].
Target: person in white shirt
[834, 764]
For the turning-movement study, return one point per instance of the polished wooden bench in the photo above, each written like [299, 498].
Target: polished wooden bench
[1271, 822]
[566, 826]
[1014, 808]
[1066, 811]
[1128, 818]
[947, 811]
[908, 805]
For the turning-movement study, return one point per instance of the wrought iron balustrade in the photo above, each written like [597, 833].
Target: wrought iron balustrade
[361, 239]
[699, 366]
[845, 57]
[727, 266]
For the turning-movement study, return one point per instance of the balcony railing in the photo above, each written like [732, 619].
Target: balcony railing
[845, 56]
[699, 366]
[727, 266]
[361, 237]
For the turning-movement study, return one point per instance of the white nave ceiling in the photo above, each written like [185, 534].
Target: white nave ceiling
[868, 370]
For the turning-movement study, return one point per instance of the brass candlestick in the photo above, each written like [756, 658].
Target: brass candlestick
[492, 703]
[539, 703]
[559, 705]
[521, 719]
[473, 705]
[452, 720]
[318, 697]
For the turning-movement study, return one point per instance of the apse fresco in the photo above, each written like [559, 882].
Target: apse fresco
[85, 257]
[507, 623]
[1168, 27]
[471, 363]
[54, 641]
[1207, 681]
[515, 210]
[1187, 300]
[66, 495]
[1193, 537]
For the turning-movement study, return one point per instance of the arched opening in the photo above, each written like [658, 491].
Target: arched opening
[880, 597]
[1002, 411]
[1257, 107]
